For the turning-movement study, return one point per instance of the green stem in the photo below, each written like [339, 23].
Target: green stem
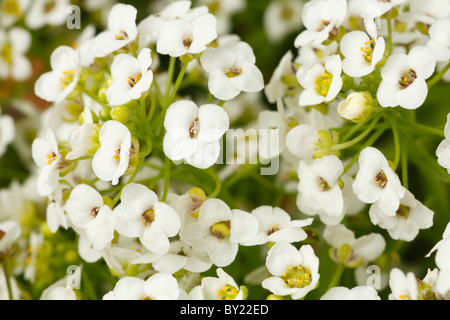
[169, 79]
[7, 278]
[389, 44]
[404, 165]
[422, 127]
[358, 138]
[438, 77]
[336, 276]
[152, 107]
[394, 127]
[167, 165]
[218, 186]
[178, 82]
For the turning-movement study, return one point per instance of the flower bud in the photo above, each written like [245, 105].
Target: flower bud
[105, 114]
[357, 107]
[120, 113]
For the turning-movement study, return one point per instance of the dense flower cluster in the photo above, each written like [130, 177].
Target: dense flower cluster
[130, 168]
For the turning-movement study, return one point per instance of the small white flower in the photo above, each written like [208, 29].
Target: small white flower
[121, 31]
[320, 17]
[44, 12]
[86, 211]
[356, 293]
[7, 132]
[141, 215]
[361, 53]
[403, 287]
[277, 88]
[363, 249]
[403, 78]
[178, 37]
[131, 77]
[193, 133]
[231, 68]
[219, 231]
[275, 225]
[319, 191]
[12, 11]
[406, 221]
[295, 272]
[443, 149]
[111, 160]
[377, 182]
[281, 18]
[82, 138]
[428, 12]
[46, 155]
[160, 286]
[63, 289]
[322, 83]
[442, 249]
[224, 287]
[14, 45]
[439, 39]
[10, 231]
[56, 85]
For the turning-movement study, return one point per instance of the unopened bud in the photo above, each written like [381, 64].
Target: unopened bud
[120, 113]
[357, 107]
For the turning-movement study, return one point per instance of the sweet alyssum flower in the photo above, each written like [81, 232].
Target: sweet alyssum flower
[406, 221]
[361, 53]
[439, 40]
[231, 68]
[44, 12]
[377, 182]
[160, 286]
[320, 17]
[295, 272]
[14, 44]
[281, 18]
[141, 215]
[403, 287]
[178, 37]
[121, 31]
[356, 293]
[403, 78]
[111, 160]
[442, 249]
[224, 287]
[87, 211]
[219, 231]
[131, 77]
[193, 132]
[275, 225]
[443, 149]
[56, 85]
[7, 131]
[319, 190]
[321, 83]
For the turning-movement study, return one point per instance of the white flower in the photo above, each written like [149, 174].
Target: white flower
[281, 18]
[111, 160]
[86, 211]
[320, 17]
[361, 53]
[160, 286]
[275, 225]
[131, 77]
[141, 215]
[295, 272]
[10, 231]
[439, 39]
[224, 287]
[403, 78]
[356, 293]
[43, 12]
[55, 215]
[182, 256]
[377, 182]
[121, 31]
[322, 83]
[63, 289]
[82, 138]
[319, 190]
[12, 11]
[405, 222]
[442, 249]
[277, 86]
[231, 68]
[56, 85]
[7, 132]
[46, 155]
[178, 37]
[443, 149]
[363, 249]
[403, 287]
[193, 133]
[428, 12]
[219, 231]
[14, 45]
[439, 282]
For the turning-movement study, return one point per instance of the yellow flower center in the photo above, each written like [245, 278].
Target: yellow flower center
[323, 83]
[67, 78]
[221, 230]
[403, 211]
[148, 216]
[122, 35]
[381, 179]
[367, 51]
[117, 155]
[187, 41]
[322, 25]
[11, 7]
[297, 277]
[233, 72]
[94, 212]
[132, 80]
[228, 292]
[6, 54]
[324, 186]
[407, 79]
[51, 157]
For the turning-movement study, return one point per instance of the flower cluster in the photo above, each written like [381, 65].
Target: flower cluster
[130, 168]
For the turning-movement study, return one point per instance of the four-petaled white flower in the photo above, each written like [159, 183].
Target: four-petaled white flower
[110, 161]
[131, 77]
[231, 68]
[321, 83]
[14, 45]
[224, 287]
[141, 215]
[295, 272]
[56, 85]
[193, 132]
[403, 78]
